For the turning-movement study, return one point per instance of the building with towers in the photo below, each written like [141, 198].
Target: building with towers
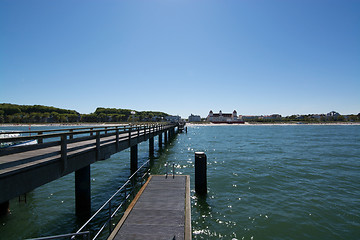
[224, 117]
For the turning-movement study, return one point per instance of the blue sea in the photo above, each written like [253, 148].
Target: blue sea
[264, 182]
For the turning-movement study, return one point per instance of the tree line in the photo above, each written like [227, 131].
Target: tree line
[309, 118]
[13, 113]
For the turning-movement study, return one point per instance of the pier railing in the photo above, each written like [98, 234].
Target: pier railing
[84, 235]
[63, 151]
[77, 135]
[123, 195]
[171, 168]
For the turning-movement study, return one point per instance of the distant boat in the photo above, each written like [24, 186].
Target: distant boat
[8, 134]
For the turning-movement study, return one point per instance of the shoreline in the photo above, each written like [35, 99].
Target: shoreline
[60, 124]
[187, 124]
[275, 124]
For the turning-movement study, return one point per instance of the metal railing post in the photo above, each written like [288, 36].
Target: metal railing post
[133, 186]
[97, 146]
[71, 135]
[110, 217]
[40, 140]
[166, 170]
[173, 170]
[117, 139]
[64, 152]
[130, 128]
[125, 197]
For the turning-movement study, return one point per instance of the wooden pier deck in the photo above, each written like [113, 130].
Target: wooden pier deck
[161, 210]
[25, 168]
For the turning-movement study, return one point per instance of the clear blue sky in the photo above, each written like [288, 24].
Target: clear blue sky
[182, 56]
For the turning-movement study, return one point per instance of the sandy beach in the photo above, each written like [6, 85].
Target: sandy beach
[187, 124]
[62, 124]
[271, 124]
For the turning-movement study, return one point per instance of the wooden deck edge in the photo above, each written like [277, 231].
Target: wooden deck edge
[188, 230]
[128, 210]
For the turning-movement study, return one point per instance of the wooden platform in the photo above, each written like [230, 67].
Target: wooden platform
[25, 168]
[161, 210]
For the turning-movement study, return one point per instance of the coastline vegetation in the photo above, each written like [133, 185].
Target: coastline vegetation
[309, 118]
[18, 114]
[13, 113]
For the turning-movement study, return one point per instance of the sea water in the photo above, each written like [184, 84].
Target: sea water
[264, 182]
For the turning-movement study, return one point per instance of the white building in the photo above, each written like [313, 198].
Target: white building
[194, 118]
[223, 117]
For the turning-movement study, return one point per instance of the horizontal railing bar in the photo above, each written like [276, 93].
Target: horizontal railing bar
[98, 233]
[117, 209]
[66, 129]
[81, 128]
[123, 137]
[54, 135]
[105, 204]
[44, 136]
[61, 236]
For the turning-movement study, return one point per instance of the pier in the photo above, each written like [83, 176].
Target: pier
[64, 151]
[160, 210]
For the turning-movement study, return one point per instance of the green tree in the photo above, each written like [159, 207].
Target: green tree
[55, 117]
[63, 118]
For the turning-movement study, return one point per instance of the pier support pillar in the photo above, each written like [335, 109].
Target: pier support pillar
[165, 137]
[4, 208]
[83, 192]
[200, 173]
[160, 140]
[151, 147]
[134, 158]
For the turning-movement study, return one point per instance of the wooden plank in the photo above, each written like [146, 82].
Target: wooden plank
[161, 210]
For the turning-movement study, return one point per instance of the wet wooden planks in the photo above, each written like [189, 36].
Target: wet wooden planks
[161, 210]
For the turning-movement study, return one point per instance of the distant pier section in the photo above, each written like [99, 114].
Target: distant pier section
[182, 127]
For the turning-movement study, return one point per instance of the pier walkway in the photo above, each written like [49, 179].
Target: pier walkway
[24, 168]
[160, 210]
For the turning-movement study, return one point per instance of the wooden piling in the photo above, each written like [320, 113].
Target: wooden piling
[134, 158]
[166, 137]
[83, 192]
[4, 208]
[160, 140]
[151, 147]
[200, 173]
